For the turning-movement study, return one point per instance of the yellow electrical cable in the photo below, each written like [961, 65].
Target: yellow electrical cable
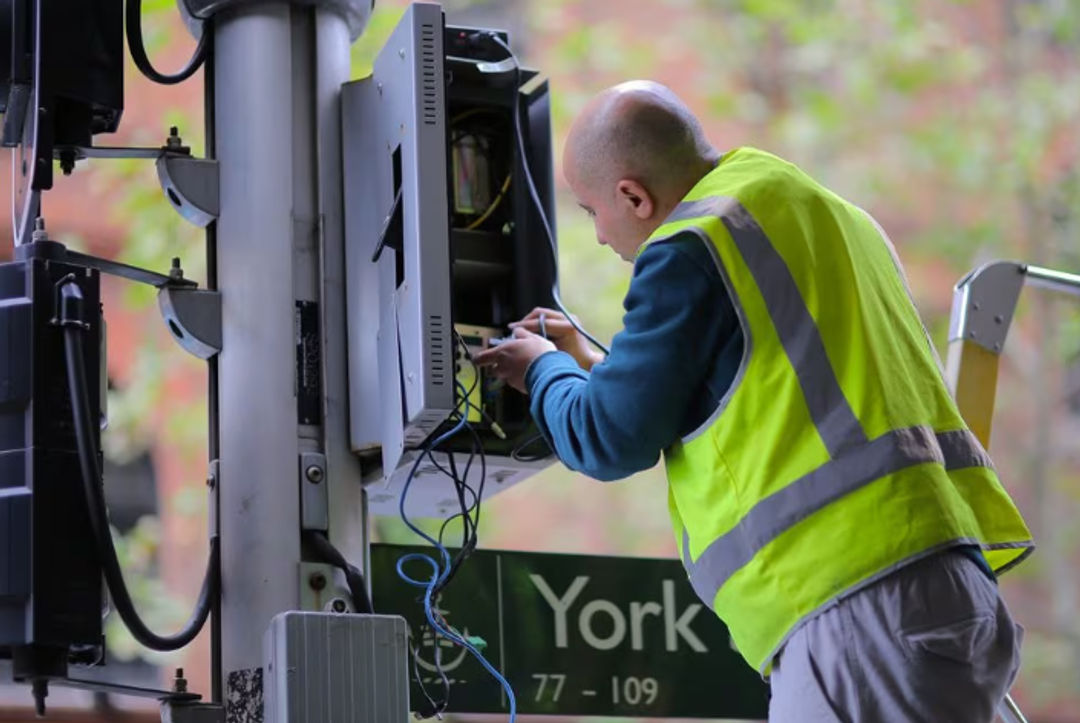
[494, 204]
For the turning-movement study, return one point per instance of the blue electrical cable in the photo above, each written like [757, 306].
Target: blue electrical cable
[428, 586]
[439, 573]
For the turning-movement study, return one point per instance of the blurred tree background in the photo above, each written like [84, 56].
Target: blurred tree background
[954, 122]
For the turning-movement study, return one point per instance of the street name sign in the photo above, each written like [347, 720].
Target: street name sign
[574, 635]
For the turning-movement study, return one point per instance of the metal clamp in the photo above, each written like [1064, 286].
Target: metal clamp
[192, 712]
[355, 12]
[191, 185]
[193, 317]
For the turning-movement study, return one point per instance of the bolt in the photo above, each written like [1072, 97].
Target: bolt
[971, 334]
[173, 141]
[317, 581]
[338, 605]
[401, 52]
[997, 347]
[40, 234]
[179, 682]
[975, 305]
[210, 482]
[378, 86]
[999, 319]
[176, 272]
[314, 474]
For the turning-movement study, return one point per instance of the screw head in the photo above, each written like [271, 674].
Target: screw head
[314, 474]
[317, 581]
[338, 605]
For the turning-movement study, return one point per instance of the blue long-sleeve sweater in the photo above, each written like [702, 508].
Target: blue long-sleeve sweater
[665, 376]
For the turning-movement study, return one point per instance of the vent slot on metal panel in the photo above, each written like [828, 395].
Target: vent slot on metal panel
[429, 76]
[437, 348]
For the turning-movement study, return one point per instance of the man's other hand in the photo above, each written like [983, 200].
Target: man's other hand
[559, 329]
[510, 360]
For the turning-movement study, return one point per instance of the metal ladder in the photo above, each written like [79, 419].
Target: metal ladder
[982, 310]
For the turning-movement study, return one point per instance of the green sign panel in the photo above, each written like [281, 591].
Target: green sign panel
[574, 635]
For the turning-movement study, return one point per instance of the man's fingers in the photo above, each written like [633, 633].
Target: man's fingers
[553, 327]
[548, 313]
[486, 358]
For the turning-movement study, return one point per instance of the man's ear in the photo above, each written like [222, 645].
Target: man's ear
[637, 197]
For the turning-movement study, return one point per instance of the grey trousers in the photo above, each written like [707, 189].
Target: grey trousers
[930, 642]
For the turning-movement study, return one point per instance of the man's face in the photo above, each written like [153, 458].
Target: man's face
[613, 217]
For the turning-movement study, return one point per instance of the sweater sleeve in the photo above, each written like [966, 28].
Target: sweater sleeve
[661, 376]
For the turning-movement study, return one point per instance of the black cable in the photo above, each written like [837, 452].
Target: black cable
[70, 317]
[133, 20]
[517, 454]
[353, 577]
[433, 709]
[535, 195]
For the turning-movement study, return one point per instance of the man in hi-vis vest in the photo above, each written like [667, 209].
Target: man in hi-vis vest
[828, 501]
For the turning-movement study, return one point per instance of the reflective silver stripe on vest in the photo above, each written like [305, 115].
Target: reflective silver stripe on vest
[836, 423]
[856, 467]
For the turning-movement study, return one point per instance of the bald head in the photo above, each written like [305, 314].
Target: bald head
[643, 131]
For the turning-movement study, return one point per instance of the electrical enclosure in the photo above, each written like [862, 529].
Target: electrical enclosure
[50, 578]
[331, 668]
[445, 246]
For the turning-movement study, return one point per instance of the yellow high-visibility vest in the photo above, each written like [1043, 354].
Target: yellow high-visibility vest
[837, 455]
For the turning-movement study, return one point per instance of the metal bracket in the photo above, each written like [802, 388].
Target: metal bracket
[193, 317]
[101, 686]
[984, 302]
[132, 273]
[192, 712]
[191, 185]
[985, 299]
[314, 501]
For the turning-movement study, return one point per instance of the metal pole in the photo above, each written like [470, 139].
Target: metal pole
[347, 508]
[260, 520]
[277, 71]
[1053, 279]
[216, 691]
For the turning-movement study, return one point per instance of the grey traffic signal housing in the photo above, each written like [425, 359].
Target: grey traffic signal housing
[445, 245]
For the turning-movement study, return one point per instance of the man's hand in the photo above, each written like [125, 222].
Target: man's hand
[511, 359]
[559, 330]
